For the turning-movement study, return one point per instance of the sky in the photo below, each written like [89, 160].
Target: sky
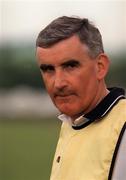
[21, 20]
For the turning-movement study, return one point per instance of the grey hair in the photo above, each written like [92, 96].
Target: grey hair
[64, 27]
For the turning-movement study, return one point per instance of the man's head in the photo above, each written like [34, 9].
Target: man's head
[73, 64]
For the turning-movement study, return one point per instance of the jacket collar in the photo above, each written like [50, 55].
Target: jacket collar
[101, 109]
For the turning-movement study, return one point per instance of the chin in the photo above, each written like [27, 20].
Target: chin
[68, 111]
[67, 108]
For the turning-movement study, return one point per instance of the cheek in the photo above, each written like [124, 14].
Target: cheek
[48, 86]
[87, 81]
[47, 82]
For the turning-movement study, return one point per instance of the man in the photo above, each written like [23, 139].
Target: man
[73, 65]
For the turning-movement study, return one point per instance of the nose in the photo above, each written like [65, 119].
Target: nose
[60, 79]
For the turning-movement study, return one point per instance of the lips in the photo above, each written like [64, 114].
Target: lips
[64, 98]
[63, 95]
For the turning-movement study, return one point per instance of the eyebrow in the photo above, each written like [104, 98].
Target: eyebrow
[71, 62]
[67, 63]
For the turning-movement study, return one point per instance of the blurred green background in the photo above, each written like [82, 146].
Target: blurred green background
[29, 128]
[27, 148]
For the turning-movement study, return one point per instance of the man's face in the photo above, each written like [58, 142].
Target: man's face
[70, 76]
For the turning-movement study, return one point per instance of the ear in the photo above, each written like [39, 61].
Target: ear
[103, 63]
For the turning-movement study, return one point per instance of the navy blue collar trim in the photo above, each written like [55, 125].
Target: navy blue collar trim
[103, 107]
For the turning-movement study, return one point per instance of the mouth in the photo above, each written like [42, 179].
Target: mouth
[64, 98]
[63, 95]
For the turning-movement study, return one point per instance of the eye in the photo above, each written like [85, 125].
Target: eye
[47, 68]
[71, 64]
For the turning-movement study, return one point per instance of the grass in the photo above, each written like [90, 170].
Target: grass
[27, 149]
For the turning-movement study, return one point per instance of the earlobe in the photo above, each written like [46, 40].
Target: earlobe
[102, 66]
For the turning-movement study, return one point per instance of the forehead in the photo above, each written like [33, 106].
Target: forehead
[70, 48]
